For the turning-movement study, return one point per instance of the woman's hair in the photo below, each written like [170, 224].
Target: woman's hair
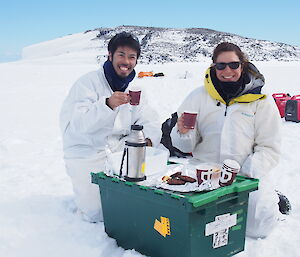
[229, 47]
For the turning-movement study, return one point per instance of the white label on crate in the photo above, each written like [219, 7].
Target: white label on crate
[220, 238]
[221, 222]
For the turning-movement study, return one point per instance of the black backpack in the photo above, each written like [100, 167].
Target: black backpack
[166, 138]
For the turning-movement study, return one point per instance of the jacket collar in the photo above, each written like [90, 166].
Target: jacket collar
[251, 93]
[116, 83]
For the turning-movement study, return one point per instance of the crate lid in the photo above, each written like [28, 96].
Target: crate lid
[196, 199]
[241, 184]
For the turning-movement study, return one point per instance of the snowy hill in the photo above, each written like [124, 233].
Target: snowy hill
[161, 45]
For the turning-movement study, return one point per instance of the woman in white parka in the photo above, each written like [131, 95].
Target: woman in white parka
[236, 120]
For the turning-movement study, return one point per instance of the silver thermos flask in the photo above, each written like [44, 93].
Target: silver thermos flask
[135, 152]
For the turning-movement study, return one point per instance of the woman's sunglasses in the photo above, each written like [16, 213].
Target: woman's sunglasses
[222, 65]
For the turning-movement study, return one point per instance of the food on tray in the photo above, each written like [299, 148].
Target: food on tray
[165, 178]
[175, 175]
[191, 177]
[176, 181]
[187, 178]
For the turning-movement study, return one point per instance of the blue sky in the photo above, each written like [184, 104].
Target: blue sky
[28, 22]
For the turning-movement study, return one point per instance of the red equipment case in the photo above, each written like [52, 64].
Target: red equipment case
[292, 109]
[280, 100]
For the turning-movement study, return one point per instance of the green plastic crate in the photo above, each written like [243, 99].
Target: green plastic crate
[161, 223]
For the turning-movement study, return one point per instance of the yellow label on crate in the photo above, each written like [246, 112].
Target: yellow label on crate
[163, 226]
[143, 167]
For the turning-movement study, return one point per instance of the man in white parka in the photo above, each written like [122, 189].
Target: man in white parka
[236, 120]
[96, 117]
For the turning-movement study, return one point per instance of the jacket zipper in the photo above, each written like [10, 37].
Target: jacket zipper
[226, 110]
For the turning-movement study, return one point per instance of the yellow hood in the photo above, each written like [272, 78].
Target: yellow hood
[245, 98]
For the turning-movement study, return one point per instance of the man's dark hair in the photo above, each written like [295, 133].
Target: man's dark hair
[124, 39]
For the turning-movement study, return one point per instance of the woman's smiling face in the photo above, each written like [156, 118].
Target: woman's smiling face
[228, 74]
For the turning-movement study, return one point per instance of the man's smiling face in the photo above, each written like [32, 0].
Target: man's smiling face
[124, 60]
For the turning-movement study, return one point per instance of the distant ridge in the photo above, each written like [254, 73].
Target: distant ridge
[194, 44]
[161, 45]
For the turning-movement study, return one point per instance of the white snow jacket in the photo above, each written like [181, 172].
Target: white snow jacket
[247, 130]
[88, 125]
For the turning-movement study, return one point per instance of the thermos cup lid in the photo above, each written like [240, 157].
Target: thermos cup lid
[136, 127]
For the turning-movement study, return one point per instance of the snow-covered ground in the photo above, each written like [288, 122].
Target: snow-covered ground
[36, 210]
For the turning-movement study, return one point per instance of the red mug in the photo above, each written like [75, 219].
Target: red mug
[189, 120]
[135, 96]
